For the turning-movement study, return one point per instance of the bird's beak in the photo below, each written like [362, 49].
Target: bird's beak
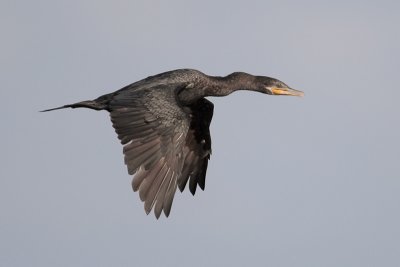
[285, 91]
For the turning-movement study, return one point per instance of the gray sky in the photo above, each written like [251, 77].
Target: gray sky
[292, 182]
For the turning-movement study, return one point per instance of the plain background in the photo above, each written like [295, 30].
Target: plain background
[310, 181]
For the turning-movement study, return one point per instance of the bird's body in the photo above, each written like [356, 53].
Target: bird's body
[163, 123]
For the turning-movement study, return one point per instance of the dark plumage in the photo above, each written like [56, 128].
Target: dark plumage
[163, 123]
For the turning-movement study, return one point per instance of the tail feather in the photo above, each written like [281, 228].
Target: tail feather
[92, 104]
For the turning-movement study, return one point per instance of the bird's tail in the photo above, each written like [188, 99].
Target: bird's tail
[92, 104]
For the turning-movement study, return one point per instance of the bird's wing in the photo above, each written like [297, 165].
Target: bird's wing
[153, 127]
[197, 148]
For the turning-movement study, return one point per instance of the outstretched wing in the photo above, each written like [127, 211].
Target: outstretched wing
[197, 148]
[153, 128]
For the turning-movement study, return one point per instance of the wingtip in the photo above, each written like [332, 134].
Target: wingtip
[157, 214]
[193, 191]
[167, 211]
[147, 211]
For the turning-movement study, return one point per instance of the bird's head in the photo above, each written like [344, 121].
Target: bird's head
[273, 86]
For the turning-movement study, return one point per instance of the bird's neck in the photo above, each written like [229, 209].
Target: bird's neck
[217, 86]
[222, 86]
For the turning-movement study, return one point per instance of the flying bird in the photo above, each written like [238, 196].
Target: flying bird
[163, 124]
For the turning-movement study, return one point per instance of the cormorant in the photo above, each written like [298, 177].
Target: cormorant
[163, 124]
